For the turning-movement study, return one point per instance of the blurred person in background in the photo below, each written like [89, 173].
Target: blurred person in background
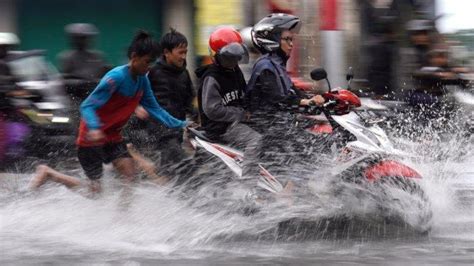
[81, 61]
[221, 95]
[174, 91]
[106, 111]
[7, 41]
[270, 89]
[381, 48]
[422, 36]
[12, 131]
[431, 79]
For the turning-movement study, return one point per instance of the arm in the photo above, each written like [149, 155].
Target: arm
[101, 94]
[214, 108]
[156, 111]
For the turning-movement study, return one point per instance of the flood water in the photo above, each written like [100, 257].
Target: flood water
[161, 226]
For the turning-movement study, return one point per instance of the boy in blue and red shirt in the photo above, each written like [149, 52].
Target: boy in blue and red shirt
[106, 111]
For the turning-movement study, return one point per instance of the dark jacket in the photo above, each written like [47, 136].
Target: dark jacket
[173, 88]
[270, 86]
[220, 98]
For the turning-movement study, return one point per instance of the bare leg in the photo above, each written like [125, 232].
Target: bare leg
[287, 193]
[45, 173]
[146, 165]
[126, 168]
[288, 189]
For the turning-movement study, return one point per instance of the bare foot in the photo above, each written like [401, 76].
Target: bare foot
[40, 177]
[95, 186]
[45, 173]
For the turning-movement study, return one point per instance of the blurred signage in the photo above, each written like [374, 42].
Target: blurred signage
[329, 15]
[282, 6]
[211, 14]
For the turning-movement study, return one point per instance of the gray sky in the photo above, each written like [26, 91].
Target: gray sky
[459, 14]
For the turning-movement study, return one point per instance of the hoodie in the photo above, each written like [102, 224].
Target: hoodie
[220, 98]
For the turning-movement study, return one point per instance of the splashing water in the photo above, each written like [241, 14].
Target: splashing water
[217, 223]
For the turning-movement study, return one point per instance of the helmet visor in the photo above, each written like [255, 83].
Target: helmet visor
[294, 26]
[233, 54]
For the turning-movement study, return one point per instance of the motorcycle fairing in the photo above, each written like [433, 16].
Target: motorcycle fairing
[345, 100]
[390, 168]
[231, 157]
[234, 158]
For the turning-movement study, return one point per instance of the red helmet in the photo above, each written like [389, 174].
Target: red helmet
[222, 37]
[227, 46]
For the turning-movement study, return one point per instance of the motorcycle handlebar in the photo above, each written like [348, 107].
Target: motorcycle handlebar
[325, 105]
[329, 103]
[313, 108]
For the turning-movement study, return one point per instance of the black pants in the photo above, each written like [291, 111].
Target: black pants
[92, 158]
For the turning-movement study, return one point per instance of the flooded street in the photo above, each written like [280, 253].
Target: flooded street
[56, 225]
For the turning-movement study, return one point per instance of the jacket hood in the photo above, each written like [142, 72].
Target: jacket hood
[201, 71]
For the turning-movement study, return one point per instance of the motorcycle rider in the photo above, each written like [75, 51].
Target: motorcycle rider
[173, 89]
[270, 88]
[271, 96]
[107, 110]
[430, 85]
[7, 40]
[7, 89]
[82, 62]
[429, 77]
[220, 96]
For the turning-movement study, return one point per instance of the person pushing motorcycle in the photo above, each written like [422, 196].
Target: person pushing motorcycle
[106, 111]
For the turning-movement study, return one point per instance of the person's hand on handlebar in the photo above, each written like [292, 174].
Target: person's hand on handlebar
[317, 100]
[192, 124]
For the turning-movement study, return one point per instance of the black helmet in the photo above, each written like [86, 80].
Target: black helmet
[81, 29]
[267, 32]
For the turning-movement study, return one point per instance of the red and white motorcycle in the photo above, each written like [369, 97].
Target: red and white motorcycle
[367, 158]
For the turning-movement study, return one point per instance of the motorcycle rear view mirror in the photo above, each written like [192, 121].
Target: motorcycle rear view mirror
[319, 74]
